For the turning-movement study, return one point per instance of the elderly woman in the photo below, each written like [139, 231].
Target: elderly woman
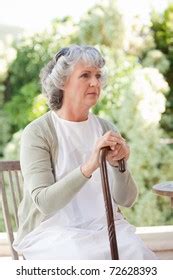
[62, 214]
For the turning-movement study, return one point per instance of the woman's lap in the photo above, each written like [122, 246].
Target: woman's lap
[79, 244]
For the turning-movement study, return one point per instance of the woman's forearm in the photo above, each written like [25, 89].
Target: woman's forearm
[124, 188]
[49, 199]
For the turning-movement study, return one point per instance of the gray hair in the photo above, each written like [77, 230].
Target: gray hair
[54, 75]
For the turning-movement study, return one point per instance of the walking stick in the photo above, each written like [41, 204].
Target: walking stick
[108, 202]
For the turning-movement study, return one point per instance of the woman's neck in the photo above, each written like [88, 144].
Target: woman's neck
[70, 115]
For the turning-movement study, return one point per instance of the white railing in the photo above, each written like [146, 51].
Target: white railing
[159, 239]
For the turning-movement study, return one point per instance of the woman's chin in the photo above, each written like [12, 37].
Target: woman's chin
[92, 103]
[92, 99]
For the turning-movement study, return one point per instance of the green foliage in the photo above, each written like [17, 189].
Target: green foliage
[12, 149]
[163, 34]
[5, 131]
[39, 107]
[151, 210]
[23, 80]
[156, 59]
[163, 28]
[20, 105]
[102, 25]
[2, 227]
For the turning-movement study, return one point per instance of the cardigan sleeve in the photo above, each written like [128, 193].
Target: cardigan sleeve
[124, 189]
[36, 165]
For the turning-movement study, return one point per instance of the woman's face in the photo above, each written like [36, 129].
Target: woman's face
[83, 86]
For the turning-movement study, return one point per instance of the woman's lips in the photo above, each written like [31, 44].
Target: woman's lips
[92, 93]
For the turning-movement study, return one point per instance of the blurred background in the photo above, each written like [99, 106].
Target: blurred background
[136, 38]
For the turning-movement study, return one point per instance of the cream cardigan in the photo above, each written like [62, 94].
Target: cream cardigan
[42, 194]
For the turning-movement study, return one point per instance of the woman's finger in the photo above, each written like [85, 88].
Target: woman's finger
[120, 152]
[107, 143]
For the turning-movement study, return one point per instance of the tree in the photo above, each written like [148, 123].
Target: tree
[162, 27]
[102, 25]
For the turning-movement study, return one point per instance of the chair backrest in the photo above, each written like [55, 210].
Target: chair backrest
[11, 195]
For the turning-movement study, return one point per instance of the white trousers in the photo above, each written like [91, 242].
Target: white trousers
[55, 243]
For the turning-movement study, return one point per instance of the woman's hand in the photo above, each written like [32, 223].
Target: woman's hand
[118, 150]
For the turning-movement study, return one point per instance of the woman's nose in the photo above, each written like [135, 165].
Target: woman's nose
[94, 82]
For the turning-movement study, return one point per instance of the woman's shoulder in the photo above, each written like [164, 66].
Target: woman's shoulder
[106, 124]
[39, 132]
[41, 129]
[40, 123]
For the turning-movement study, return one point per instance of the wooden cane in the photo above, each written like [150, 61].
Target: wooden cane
[108, 201]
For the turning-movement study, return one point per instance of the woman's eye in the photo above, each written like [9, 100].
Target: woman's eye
[98, 76]
[85, 75]
[88, 75]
